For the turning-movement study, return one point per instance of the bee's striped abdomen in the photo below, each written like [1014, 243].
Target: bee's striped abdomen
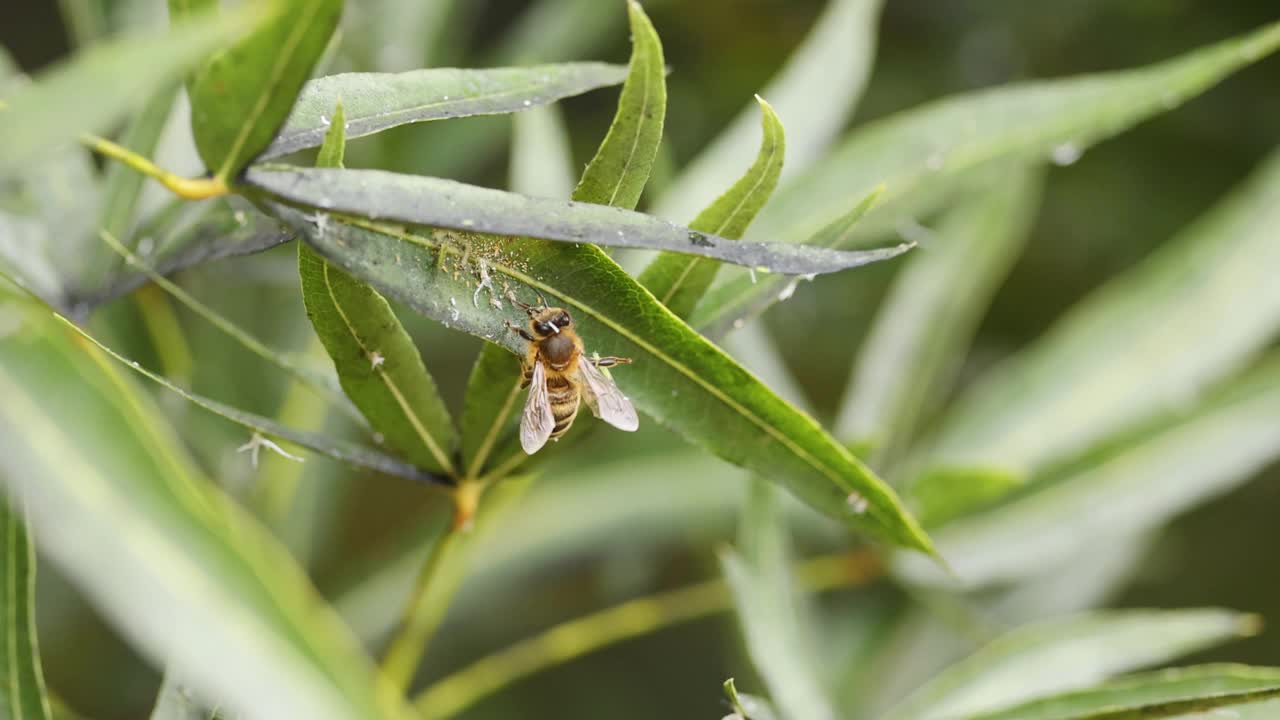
[563, 396]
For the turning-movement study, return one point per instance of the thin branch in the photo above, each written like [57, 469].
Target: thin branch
[575, 638]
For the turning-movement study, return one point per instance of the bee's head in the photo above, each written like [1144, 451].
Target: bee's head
[547, 321]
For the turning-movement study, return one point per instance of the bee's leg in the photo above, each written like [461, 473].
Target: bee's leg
[610, 361]
[519, 331]
[527, 374]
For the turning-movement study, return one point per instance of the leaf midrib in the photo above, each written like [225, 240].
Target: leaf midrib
[781, 438]
[414, 421]
[268, 89]
[635, 139]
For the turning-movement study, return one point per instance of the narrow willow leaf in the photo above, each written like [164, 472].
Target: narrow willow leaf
[492, 397]
[1060, 655]
[923, 155]
[377, 363]
[219, 231]
[169, 560]
[1183, 461]
[97, 87]
[338, 449]
[770, 613]
[1165, 693]
[175, 703]
[925, 325]
[679, 281]
[541, 159]
[620, 168]
[437, 202]
[678, 377]
[816, 92]
[1177, 314]
[944, 494]
[22, 691]
[380, 101]
[241, 96]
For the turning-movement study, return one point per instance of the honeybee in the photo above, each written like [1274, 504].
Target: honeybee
[559, 375]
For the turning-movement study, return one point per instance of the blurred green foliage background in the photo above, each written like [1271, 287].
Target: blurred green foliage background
[1099, 216]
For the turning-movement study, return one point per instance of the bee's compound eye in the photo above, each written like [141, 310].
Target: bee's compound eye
[562, 320]
[544, 328]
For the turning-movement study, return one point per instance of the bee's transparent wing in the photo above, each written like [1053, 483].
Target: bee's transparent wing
[537, 422]
[605, 399]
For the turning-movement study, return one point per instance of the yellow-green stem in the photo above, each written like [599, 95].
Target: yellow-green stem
[421, 616]
[576, 638]
[187, 188]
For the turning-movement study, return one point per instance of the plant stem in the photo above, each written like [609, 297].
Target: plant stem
[187, 188]
[443, 572]
[421, 616]
[633, 618]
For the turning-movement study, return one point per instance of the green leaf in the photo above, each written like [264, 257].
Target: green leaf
[493, 389]
[172, 562]
[925, 154]
[443, 203]
[379, 101]
[96, 88]
[816, 91]
[773, 621]
[242, 95]
[541, 159]
[943, 494]
[22, 691]
[377, 363]
[1074, 652]
[1177, 464]
[621, 166]
[1163, 311]
[679, 281]
[1165, 693]
[678, 376]
[923, 329]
